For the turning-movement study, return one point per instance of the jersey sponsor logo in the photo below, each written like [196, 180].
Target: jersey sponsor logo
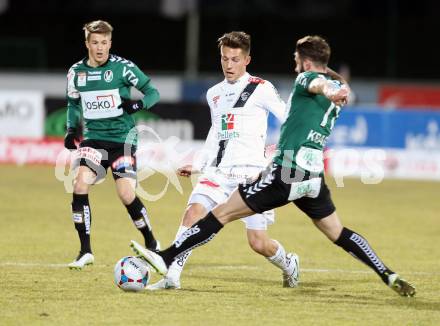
[92, 78]
[228, 121]
[317, 137]
[227, 125]
[131, 77]
[82, 78]
[122, 163]
[90, 154]
[310, 159]
[228, 135]
[101, 104]
[108, 76]
[97, 72]
[194, 230]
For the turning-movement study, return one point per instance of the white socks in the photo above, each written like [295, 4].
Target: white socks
[176, 267]
[279, 259]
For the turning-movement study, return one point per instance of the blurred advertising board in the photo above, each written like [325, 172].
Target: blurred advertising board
[21, 114]
[389, 129]
[410, 96]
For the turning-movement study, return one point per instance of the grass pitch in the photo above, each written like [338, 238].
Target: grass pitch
[224, 282]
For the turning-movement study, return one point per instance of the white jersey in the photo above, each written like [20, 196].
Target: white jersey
[238, 133]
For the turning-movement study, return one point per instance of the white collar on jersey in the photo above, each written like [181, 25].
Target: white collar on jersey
[240, 80]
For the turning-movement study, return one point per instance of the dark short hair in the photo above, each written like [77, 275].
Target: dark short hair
[236, 40]
[315, 48]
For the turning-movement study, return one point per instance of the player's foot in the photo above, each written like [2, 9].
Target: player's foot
[291, 277]
[401, 286]
[153, 259]
[164, 284]
[83, 259]
[156, 247]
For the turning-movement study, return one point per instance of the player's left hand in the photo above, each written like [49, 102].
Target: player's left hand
[131, 106]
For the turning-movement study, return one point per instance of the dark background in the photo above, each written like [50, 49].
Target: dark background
[377, 39]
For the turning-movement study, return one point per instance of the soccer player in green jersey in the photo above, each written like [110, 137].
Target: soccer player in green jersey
[98, 90]
[296, 174]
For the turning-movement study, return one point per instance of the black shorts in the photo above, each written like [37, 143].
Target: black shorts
[120, 157]
[275, 187]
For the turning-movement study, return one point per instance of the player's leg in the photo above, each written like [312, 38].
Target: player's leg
[358, 246]
[323, 213]
[199, 234]
[125, 187]
[272, 250]
[82, 216]
[193, 213]
[266, 193]
[122, 161]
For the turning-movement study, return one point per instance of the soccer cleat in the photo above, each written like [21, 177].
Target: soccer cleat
[164, 284]
[152, 258]
[82, 260]
[401, 286]
[291, 278]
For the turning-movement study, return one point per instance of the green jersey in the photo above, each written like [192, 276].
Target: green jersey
[309, 123]
[94, 93]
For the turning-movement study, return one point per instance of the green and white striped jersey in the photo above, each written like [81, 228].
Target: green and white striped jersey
[94, 93]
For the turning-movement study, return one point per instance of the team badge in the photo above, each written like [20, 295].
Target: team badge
[108, 76]
[244, 96]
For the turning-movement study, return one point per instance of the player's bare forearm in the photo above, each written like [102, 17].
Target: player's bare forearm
[334, 75]
[338, 95]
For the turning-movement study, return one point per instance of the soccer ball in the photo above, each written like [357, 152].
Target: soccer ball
[131, 274]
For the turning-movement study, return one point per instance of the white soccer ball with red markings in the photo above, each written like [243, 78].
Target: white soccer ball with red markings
[131, 274]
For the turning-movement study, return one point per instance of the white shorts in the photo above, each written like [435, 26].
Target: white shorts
[215, 188]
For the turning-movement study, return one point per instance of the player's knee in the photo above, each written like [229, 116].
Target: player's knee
[80, 187]
[257, 244]
[126, 195]
[193, 213]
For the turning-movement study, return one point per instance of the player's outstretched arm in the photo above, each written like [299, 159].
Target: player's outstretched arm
[335, 93]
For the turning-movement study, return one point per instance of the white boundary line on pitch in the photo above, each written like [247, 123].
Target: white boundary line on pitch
[224, 267]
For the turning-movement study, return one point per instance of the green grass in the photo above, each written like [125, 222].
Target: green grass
[224, 282]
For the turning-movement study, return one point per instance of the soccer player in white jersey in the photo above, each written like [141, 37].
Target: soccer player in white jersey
[233, 154]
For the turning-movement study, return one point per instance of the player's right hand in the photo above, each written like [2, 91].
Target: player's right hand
[185, 171]
[69, 139]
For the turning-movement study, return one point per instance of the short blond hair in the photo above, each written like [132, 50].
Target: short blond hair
[97, 26]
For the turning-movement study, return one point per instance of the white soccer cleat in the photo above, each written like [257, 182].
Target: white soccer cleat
[153, 259]
[291, 278]
[401, 286]
[81, 261]
[164, 284]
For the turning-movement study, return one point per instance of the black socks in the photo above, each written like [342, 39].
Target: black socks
[356, 245]
[82, 218]
[200, 233]
[138, 214]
